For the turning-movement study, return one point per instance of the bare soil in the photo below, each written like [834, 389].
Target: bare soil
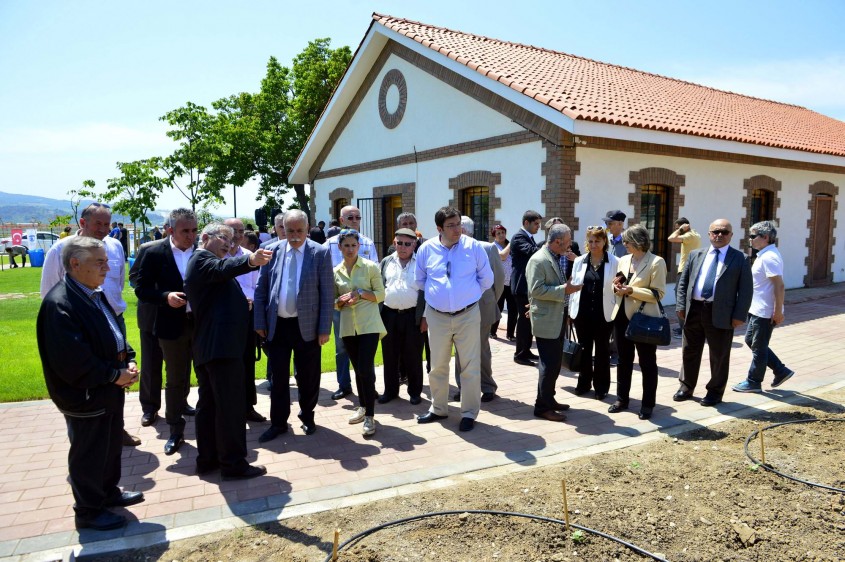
[694, 497]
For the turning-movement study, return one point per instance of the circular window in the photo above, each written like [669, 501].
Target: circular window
[392, 98]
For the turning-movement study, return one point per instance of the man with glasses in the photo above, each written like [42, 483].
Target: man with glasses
[523, 246]
[453, 271]
[222, 316]
[766, 310]
[714, 294]
[93, 223]
[350, 217]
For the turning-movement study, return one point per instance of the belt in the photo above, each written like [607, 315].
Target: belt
[402, 310]
[461, 311]
[121, 356]
[702, 303]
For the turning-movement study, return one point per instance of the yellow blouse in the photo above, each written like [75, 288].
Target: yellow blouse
[363, 317]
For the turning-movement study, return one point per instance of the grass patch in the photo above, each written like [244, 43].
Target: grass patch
[20, 365]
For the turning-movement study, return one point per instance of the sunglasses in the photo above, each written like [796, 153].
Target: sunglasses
[753, 236]
[720, 232]
[406, 244]
[353, 217]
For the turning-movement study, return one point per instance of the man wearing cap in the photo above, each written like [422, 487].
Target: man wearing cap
[402, 315]
[615, 221]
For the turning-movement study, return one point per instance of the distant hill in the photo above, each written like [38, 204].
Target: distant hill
[16, 207]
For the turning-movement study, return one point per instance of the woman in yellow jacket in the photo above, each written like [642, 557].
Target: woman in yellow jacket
[637, 274]
[358, 290]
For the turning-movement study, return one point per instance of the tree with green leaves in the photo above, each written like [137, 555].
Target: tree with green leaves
[77, 195]
[136, 190]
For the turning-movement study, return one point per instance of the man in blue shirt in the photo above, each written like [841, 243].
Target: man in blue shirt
[453, 271]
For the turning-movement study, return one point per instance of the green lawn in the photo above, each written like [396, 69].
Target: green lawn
[21, 377]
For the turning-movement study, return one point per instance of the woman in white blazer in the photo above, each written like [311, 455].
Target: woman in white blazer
[591, 308]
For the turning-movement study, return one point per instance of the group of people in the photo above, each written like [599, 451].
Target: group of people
[210, 298]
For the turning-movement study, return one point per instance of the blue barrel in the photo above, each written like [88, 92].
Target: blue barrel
[36, 257]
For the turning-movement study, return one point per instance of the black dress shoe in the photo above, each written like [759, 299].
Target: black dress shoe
[561, 407]
[429, 417]
[125, 499]
[130, 440]
[526, 362]
[601, 395]
[618, 406]
[488, 396]
[456, 397]
[550, 415]
[189, 411]
[308, 428]
[711, 400]
[414, 400]
[511, 338]
[533, 356]
[385, 398]
[173, 444]
[466, 424]
[253, 416]
[271, 433]
[340, 393]
[645, 413]
[682, 395]
[149, 418]
[252, 471]
[103, 521]
[579, 391]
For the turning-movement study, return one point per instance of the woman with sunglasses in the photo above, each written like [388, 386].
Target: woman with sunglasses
[639, 275]
[591, 310]
[499, 234]
[358, 290]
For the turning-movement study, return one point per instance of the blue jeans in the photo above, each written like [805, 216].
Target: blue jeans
[341, 357]
[757, 337]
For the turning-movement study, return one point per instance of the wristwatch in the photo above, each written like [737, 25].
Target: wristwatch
[360, 292]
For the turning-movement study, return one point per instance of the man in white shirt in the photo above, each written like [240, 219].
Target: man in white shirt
[453, 271]
[94, 223]
[766, 310]
[350, 217]
[402, 314]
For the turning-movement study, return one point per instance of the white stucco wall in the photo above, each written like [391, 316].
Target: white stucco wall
[436, 115]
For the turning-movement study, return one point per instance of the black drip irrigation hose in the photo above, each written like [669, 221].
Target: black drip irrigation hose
[772, 469]
[397, 522]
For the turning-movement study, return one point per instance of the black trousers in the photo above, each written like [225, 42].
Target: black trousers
[94, 458]
[403, 345]
[288, 341]
[507, 297]
[699, 329]
[647, 354]
[150, 391]
[250, 394]
[593, 330]
[221, 417]
[523, 328]
[362, 352]
[550, 351]
[177, 359]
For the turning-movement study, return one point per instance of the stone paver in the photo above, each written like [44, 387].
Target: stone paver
[338, 467]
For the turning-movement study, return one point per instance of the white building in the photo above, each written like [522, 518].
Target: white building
[427, 116]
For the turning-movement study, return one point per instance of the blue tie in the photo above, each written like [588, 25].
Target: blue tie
[710, 280]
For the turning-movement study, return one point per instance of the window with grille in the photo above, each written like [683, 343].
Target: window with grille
[762, 206]
[654, 216]
[475, 203]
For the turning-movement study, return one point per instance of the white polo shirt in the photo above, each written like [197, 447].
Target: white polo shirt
[768, 264]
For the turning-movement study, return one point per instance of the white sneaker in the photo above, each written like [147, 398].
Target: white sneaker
[369, 427]
[357, 415]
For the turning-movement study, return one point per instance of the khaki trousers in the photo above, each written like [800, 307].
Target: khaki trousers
[463, 330]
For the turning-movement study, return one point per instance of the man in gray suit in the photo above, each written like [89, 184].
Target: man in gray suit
[294, 301]
[490, 313]
[714, 295]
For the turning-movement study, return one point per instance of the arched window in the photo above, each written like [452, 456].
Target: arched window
[655, 216]
[762, 206]
[475, 203]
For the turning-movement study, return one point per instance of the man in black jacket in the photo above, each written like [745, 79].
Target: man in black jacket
[87, 385]
[523, 246]
[161, 269]
[222, 315]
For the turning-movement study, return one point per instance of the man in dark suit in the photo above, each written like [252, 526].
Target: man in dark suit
[159, 280]
[523, 247]
[150, 388]
[294, 303]
[714, 295]
[222, 315]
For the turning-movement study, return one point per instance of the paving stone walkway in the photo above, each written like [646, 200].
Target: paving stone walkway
[337, 466]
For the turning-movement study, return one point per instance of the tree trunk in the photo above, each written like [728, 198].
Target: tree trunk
[303, 199]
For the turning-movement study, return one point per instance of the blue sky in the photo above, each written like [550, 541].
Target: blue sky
[83, 83]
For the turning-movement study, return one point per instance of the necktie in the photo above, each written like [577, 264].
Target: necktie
[290, 297]
[710, 280]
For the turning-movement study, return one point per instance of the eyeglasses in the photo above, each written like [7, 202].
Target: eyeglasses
[720, 232]
[458, 225]
[224, 239]
[753, 236]
[353, 217]
[406, 244]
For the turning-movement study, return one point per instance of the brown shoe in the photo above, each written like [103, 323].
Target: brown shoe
[130, 440]
[550, 415]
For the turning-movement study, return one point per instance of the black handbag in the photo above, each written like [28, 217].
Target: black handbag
[572, 350]
[649, 329]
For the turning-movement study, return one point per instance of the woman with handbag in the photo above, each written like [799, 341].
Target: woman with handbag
[591, 310]
[639, 285]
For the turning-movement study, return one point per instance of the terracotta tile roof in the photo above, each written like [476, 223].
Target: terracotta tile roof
[595, 91]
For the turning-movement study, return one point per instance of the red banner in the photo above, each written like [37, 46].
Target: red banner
[17, 237]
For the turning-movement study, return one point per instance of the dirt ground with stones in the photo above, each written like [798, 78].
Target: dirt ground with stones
[694, 497]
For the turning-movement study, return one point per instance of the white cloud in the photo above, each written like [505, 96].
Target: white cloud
[85, 137]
